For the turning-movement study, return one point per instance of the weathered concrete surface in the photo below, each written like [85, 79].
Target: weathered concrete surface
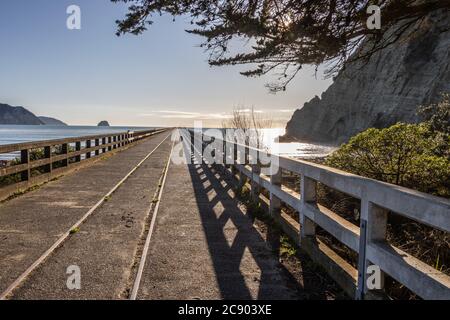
[105, 247]
[30, 224]
[206, 247]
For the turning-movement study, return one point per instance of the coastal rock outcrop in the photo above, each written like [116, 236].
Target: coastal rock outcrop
[17, 116]
[103, 124]
[10, 115]
[388, 89]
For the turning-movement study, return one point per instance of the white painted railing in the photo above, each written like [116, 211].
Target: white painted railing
[369, 239]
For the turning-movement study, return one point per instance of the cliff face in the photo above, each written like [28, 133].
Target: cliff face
[386, 90]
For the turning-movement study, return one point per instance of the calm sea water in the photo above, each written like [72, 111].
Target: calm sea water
[10, 134]
[16, 134]
[294, 149]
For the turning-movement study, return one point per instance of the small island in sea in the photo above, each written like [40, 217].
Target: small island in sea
[103, 123]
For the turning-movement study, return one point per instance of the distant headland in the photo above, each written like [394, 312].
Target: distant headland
[22, 116]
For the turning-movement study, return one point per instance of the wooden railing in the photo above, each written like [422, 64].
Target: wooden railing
[368, 239]
[28, 169]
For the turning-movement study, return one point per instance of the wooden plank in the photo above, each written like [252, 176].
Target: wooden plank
[421, 207]
[40, 144]
[9, 190]
[419, 277]
[338, 269]
[6, 171]
[343, 230]
[430, 210]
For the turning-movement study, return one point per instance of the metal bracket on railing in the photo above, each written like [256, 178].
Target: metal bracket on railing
[362, 261]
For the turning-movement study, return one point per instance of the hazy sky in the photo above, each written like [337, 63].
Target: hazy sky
[158, 78]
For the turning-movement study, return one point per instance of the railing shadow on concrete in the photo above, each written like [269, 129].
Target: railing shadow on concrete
[368, 240]
[228, 258]
[73, 153]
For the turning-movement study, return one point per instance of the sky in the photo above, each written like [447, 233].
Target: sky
[160, 78]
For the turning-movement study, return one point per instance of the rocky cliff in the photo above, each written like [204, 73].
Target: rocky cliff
[21, 116]
[103, 123]
[17, 115]
[386, 90]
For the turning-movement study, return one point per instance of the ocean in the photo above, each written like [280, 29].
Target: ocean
[294, 149]
[10, 134]
[16, 134]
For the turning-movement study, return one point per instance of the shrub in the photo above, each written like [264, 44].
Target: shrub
[416, 156]
[410, 155]
[437, 115]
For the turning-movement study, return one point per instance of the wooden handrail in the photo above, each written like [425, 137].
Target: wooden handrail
[368, 239]
[7, 148]
[103, 143]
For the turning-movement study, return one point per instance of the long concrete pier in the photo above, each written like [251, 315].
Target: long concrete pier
[140, 226]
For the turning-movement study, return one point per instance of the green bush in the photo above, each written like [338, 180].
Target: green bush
[437, 114]
[410, 155]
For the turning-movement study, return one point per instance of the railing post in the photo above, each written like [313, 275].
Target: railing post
[202, 149]
[103, 143]
[224, 154]
[213, 150]
[242, 176]
[110, 141]
[234, 169]
[228, 154]
[97, 144]
[192, 145]
[256, 189]
[275, 202]
[308, 195]
[373, 227]
[88, 145]
[78, 148]
[48, 155]
[65, 150]
[25, 158]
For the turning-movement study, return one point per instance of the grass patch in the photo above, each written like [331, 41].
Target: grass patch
[75, 230]
[286, 249]
[287, 246]
[255, 209]
[21, 192]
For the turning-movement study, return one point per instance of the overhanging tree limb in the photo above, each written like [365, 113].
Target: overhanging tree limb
[286, 34]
